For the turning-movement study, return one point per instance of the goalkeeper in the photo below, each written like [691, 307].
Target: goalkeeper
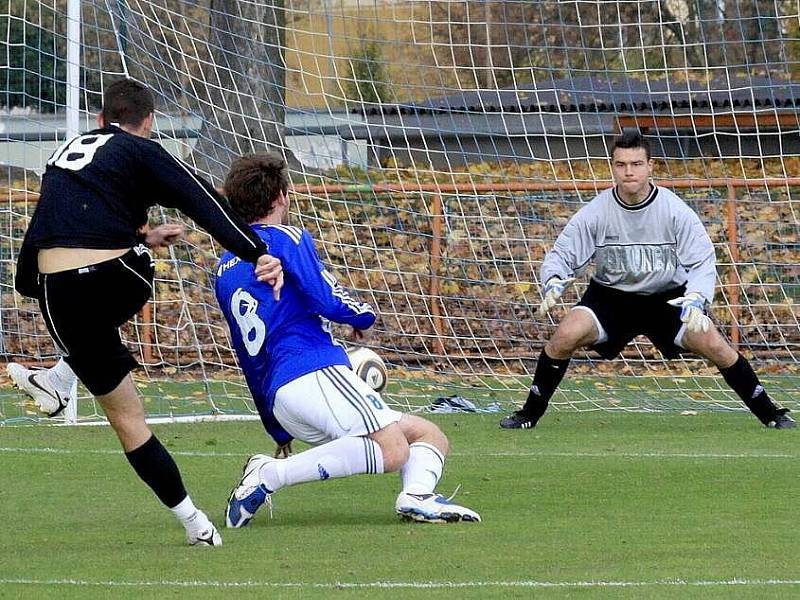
[655, 272]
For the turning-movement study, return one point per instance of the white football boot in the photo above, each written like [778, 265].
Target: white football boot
[36, 384]
[433, 508]
[249, 494]
[201, 532]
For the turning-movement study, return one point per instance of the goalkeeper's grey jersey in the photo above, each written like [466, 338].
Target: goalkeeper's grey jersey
[649, 247]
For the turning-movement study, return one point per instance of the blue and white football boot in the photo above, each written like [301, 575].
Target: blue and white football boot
[433, 508]
[249, 494]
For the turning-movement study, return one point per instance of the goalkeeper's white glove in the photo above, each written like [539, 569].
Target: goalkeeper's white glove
[553, 290]
[693, 312]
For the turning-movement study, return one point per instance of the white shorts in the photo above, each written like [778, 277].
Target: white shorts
[329, 404]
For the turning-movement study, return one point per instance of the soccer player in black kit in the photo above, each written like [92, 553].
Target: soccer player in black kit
[85, 261]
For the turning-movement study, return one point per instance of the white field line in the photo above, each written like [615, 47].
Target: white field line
[403, 584]
[476, 454]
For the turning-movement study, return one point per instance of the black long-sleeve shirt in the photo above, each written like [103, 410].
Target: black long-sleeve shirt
[96, 192]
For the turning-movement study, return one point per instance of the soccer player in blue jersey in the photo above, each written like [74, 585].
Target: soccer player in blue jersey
[300, 377]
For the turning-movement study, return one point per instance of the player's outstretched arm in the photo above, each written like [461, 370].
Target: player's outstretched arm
[176, 185]
[324, 293]
[572, 251]
[553, 290]
[693, 312]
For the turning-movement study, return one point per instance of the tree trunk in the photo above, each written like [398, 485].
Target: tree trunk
[242, 91]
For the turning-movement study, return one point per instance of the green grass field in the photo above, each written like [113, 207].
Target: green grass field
[195, 396]
[587, 505]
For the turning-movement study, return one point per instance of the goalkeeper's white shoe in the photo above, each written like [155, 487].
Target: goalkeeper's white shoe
[432, 508]
[206, 535]
[36, 384]
[249, 494]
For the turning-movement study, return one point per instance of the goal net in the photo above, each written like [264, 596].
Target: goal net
[436, 150]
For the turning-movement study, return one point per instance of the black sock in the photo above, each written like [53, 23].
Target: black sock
[549, 373]
[154, 465]
[743, 380]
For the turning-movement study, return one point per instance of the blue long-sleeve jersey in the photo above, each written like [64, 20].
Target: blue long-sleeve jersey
[277, 342]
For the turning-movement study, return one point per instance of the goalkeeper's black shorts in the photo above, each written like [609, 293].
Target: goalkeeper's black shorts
[84, 309]
[624, 315]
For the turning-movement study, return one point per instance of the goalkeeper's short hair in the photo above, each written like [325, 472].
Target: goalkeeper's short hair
[632, 138]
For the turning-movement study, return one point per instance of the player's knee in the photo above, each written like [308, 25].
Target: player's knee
[562, 345]
[395, 455]
[394, 447]
[417, 429]
[578, 329]
[710, 345]
[439, 439]
[131, 431]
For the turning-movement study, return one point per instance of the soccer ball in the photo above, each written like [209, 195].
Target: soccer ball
[369, 367]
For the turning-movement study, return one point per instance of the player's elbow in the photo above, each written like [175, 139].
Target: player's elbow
[365, 321]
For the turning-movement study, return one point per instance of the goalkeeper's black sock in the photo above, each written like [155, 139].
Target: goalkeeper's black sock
[549, 373]
[743, 380]
[154, 465]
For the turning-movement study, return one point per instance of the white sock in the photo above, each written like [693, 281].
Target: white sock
[62, 376]
[339, 458]
[423, 469]
[188, 514]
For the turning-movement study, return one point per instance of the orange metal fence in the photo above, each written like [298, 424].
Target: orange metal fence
[437, 192]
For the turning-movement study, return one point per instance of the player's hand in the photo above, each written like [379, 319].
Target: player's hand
[693, 312]
[359, 335]
[270, 269]
[553, 290]
[163, 235]
[283, 451]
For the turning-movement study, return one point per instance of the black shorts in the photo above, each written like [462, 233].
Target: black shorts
[85, 307]
[624, 315]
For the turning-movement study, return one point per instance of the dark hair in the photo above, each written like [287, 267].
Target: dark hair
[254, 182]
[127, 102]
[631, 138]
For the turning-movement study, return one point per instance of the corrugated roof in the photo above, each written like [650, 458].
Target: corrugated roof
[612, 94]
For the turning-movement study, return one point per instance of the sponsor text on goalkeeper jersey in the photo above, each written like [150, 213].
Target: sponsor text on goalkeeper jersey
[646, 248]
